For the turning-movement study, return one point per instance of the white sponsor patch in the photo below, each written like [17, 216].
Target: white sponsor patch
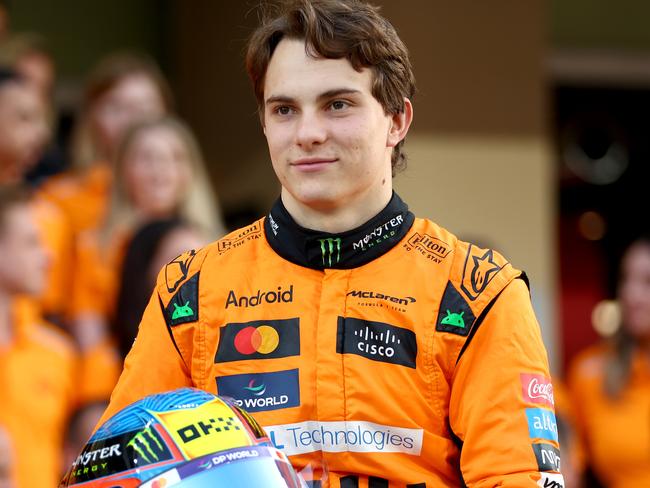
[353, 436]
[551, 480]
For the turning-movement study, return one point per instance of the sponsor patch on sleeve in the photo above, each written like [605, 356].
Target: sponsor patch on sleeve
[481, 266]
[548, 457]
[549, 480]
[542, 424]
[455, 315]
[537, 388]
[184, 306]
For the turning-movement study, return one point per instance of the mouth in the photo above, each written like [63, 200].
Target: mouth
[313, 164]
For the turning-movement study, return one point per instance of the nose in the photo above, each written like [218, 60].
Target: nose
[311, 130]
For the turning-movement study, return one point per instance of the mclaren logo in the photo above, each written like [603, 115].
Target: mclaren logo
[381, 296]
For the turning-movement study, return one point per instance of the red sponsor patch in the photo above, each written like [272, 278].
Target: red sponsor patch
[537, 388]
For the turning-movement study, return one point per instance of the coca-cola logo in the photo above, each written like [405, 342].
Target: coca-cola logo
[537, 388]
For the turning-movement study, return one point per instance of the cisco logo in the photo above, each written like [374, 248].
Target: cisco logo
[371, 343]
[376, 341]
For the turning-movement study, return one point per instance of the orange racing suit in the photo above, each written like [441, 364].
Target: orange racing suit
[390, 355]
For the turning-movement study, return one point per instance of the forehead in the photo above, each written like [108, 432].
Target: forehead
[14, 94]
[292, 72]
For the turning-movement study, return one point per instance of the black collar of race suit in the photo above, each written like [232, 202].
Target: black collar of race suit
[356, 247]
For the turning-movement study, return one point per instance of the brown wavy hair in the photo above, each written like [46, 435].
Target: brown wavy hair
[336, 29]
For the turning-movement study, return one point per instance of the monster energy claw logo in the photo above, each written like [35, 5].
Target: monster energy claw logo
[142, 444]
[327, 247]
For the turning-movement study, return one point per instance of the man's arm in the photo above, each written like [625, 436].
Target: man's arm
[501, 408]
[152, 366]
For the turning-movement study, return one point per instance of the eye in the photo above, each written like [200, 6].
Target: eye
[338, 105]
[283, 110]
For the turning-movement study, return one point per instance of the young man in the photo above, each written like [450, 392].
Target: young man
[37, 362]
[376, 348]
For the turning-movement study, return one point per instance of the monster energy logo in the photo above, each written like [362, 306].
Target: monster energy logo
[142, 444]
[327, 247]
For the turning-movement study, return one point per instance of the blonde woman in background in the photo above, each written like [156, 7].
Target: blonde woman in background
[159, 174]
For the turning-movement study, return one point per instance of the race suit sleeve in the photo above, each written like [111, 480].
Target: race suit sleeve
[489, 414]
[152, 366]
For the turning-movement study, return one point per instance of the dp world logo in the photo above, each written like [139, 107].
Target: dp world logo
[255, 390]
[330, 248]
[258, 392]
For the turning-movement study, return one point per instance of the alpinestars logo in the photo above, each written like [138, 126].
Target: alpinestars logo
[330, 249]
[272, 296]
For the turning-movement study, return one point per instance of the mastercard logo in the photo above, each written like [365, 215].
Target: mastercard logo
[263, 339]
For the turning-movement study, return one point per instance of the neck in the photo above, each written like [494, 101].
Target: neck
[345, 215]
[6, 327]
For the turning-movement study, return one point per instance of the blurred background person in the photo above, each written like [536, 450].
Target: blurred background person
[23, 137]
[24, 131]
[27, 53]
[153, 245]
[610, 382]
[159, 175]
[81, 424]
[37, 361]
[122, 89]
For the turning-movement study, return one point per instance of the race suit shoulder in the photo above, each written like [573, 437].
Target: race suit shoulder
[390, 355]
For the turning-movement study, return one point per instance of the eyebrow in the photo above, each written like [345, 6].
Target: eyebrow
[323, 96]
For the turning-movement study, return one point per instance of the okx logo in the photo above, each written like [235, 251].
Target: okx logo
[376, 341]
[147, 447]
[260, 339]
[330, 249]
[259, 392]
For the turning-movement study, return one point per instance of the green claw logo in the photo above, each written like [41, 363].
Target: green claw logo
[455, 319]
[327, 247]
[142, 445]
[184, 311]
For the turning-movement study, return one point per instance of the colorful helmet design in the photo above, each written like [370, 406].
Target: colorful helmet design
[185, 438]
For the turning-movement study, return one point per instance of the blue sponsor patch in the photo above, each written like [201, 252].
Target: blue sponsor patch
[258, 392]
[541, 424]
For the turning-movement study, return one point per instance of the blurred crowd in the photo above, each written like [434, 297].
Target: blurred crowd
[87, 222]
[85, 226]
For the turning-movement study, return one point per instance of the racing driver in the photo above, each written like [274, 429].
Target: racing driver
[374, 347]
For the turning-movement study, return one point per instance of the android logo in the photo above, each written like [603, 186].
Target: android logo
[184, 311]
[455, 319]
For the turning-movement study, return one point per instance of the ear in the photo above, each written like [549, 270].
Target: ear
[400, 124]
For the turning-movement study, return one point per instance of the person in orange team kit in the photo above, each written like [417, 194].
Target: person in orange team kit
[23, 134]
[37, 362]
[376, 348]
[159, 174]
[122, 90]
[610, 382]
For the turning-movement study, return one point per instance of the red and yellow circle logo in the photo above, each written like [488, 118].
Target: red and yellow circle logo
[263, 339]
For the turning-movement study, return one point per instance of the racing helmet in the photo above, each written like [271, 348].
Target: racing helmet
[186, 438]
